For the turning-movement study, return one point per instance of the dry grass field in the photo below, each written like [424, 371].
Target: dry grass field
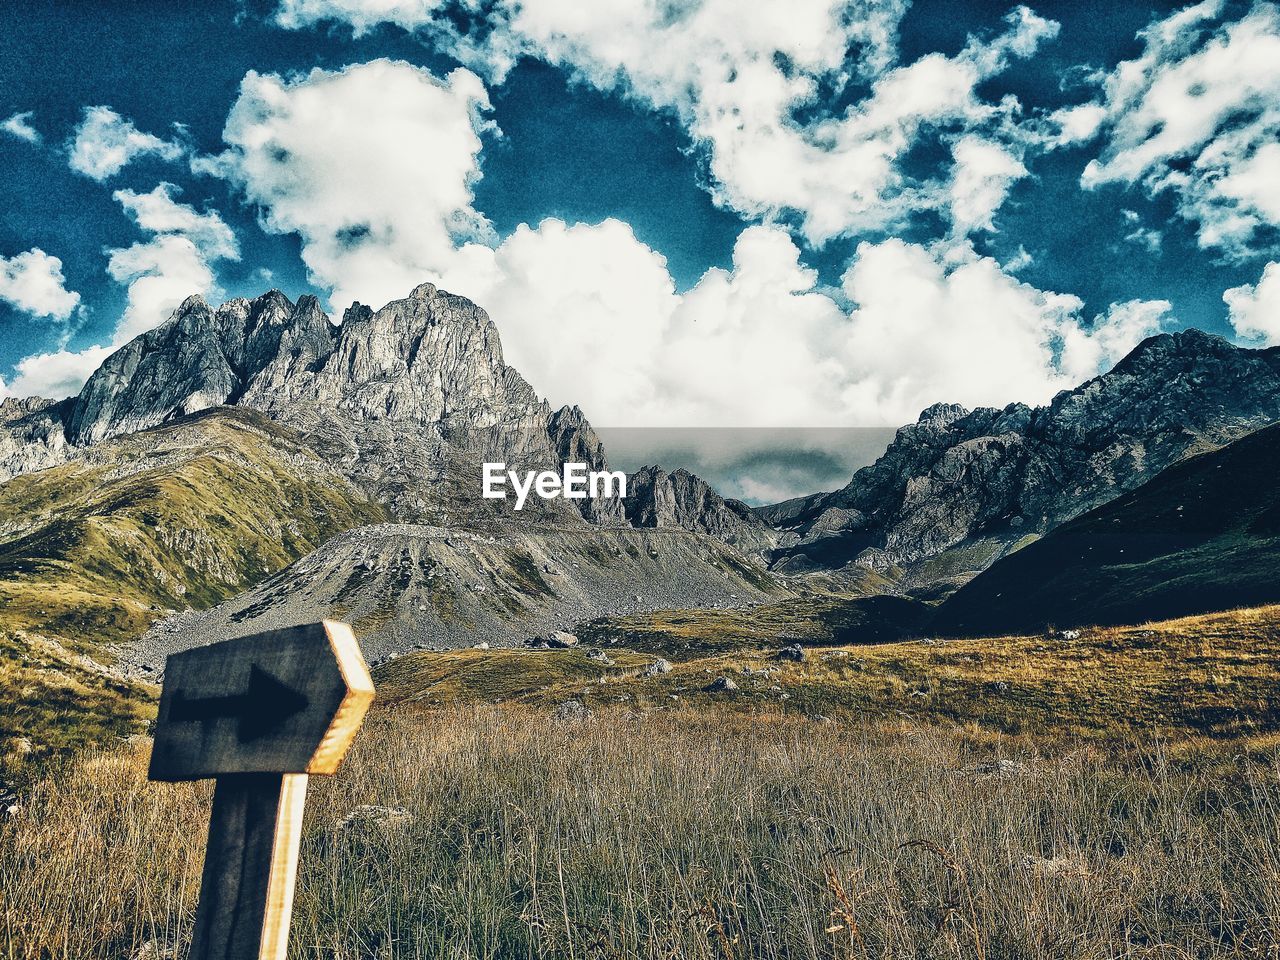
[502, 832]
[1216, 675]
[1115, 794]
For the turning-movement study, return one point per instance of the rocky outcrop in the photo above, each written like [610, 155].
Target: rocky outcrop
[957, 477]
[574, 441]
[656, 498]
[32, 435]
[199, 358]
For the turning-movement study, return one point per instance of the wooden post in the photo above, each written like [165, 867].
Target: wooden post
[259, 714]
[246, 893]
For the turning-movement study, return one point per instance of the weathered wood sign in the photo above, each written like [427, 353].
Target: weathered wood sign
[260, 714]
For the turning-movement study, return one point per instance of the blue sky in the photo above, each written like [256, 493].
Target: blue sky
[825, 214]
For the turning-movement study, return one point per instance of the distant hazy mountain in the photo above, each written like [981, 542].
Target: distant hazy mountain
[1202, 536]
[959, 488]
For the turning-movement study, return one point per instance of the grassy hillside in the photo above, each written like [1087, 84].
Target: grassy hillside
[1210, 676]
[1204, 535]
[811, 619]
[92, 552]
[1112, 793]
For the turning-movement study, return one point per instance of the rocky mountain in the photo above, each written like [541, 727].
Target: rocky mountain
[682, 500]
[211, 453]
[1202, 536]
[409, 401]
[32, 434]
[573, 441]
[958, 489]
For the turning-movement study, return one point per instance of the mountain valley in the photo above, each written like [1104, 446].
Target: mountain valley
[255, 465]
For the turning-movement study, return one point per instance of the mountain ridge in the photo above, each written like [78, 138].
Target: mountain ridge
[1199, 537]
[411, 399]
[984, 480]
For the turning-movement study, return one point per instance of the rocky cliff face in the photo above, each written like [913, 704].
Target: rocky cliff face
[32, 435]
[410, 399]
[957, 478]
[656, 498]
[574, 441]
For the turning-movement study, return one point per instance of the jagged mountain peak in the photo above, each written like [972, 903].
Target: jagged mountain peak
[1191, 340]
[411, 398]
[414, 358]
[942, 414]
[421, 380]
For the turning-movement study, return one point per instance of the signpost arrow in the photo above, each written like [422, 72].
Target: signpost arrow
[260, 709]
[259, 714]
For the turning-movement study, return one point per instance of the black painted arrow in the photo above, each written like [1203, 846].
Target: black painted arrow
[260, 709]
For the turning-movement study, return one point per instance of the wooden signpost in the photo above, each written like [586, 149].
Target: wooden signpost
[259, 714]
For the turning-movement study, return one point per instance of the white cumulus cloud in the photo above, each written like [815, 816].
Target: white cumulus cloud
[361, 15]
[1197, 114]
[378, 211]
[1255, 310]
[32, 281]
[590, 315]
[158, 212]
[1089, 351]
[160, 272]
[947, 324]
[19, 125]
[174, 263]
[105, 142]
[754, 91]
[54, 375]
[741, 83]
[980, 181]
[582, 310]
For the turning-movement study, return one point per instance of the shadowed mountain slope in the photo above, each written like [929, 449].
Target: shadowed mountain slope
[1202, 536]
